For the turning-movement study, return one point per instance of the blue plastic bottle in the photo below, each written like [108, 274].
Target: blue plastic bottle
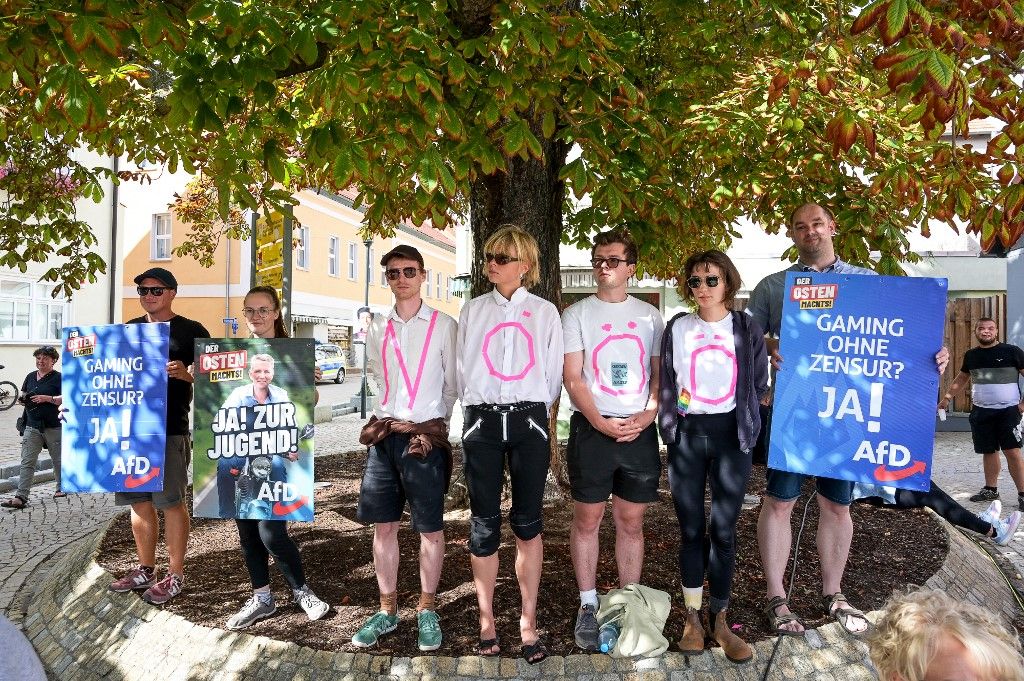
[607, 636]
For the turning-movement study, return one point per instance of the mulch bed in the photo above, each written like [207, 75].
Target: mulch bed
[890, 550]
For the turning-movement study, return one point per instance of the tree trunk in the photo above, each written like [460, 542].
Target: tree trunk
[530, 196]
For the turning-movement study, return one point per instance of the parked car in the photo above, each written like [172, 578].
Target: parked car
[331, 360]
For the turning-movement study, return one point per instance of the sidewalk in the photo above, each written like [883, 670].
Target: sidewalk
[42, 549]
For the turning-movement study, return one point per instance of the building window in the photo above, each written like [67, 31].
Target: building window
[439, 277]
[430, 289]
[160, 241]
[353, 260]
[332, 256]
[302, 249]
[29, 313]
[447, 288]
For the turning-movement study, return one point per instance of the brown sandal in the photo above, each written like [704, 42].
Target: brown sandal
[844, 615]
[776, 620]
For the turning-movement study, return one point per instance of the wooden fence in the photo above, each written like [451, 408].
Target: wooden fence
[962, 315]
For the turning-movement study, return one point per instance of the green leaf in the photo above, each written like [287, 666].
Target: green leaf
[306, 45]
[548, 124]
[78, 96]
[940, 70]
[896, 17]
[513, 139]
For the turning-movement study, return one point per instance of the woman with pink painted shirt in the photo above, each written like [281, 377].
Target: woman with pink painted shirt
[508, 373]
[714, 371]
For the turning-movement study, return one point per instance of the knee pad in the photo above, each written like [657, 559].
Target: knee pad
[484, 536]
[527, 530]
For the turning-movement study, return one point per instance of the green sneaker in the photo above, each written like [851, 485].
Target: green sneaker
[430, 630]
[375, 627]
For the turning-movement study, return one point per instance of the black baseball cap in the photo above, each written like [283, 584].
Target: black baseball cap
[402, 251]
[160, 274]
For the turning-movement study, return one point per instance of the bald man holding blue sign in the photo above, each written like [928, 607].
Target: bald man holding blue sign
[812, 229]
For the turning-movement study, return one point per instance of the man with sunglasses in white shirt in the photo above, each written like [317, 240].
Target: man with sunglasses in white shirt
[612, 343]
[411, 357]
[157, 288]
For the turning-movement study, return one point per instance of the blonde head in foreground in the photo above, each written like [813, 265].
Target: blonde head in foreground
[926, 635]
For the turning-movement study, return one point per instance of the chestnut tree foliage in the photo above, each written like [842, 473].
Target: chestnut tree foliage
[672, 118]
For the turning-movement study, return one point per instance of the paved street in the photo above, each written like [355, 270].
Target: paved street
[33, 541]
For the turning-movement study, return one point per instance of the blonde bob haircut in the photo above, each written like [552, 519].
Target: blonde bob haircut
[509, 240]
[906, 638]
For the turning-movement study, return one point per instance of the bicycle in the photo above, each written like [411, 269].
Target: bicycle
[8, 394]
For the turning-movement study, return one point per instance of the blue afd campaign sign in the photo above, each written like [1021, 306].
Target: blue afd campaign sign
[114, 392]
[856, 397]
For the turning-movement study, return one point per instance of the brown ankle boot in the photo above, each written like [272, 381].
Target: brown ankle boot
[732, 645]
[692, 642]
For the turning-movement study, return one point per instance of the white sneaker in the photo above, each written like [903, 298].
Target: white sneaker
[992, 513]
[1005, 529]
[308, 601]
[253, 611]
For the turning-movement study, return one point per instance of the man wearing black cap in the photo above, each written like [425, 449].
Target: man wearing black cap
[410, 354]
[157, 288]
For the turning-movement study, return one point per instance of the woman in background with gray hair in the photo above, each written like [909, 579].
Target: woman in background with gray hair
[41, 397]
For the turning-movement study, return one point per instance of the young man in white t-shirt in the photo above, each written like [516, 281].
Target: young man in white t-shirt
[612, 341]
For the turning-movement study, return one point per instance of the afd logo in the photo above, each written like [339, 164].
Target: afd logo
[286, 497]
[138, 470]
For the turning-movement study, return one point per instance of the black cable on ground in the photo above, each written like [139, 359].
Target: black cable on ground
[792, 579]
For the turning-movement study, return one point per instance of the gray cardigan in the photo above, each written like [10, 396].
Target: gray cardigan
[751, 380]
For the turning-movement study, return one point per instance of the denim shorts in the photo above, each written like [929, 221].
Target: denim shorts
[785, 486]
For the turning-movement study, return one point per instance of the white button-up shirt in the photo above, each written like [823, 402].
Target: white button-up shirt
[509, 350]
[413, 364]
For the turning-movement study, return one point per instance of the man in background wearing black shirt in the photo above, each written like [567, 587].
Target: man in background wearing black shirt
[157, 288]
[993, 369]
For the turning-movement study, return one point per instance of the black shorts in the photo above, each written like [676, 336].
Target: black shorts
[393, 476]
[519, 440]
[599, 466]
[995, 429]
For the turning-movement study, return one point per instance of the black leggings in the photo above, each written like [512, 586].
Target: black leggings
[943, 504]
[261, 539]
[708, 452]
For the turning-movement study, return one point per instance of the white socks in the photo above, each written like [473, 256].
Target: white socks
[263, 593]
[692, 597]
[589, 598]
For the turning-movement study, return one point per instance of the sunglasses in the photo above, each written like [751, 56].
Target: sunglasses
[151, 290]
[409, 272]
[500, 258]
[612, 262]
[711, 281]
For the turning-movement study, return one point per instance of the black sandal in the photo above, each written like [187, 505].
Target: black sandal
[775, 620]
[534, 652]
[483, 649]
[15, 502]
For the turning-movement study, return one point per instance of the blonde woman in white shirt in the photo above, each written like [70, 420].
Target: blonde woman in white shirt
[508, 372]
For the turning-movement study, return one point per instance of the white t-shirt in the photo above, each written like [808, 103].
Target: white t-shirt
[704, 357]
[618, 341]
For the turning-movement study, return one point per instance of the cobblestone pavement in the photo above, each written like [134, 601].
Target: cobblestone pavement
[46, 566]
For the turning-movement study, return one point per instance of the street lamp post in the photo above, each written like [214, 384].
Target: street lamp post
[366, 302]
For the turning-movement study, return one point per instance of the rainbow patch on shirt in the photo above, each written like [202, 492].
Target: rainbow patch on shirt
[683, 402]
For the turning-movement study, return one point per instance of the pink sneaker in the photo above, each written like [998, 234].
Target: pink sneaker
[164, 590]
[139, 578]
